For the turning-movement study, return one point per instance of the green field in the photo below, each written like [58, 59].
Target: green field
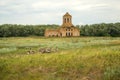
[77, 58]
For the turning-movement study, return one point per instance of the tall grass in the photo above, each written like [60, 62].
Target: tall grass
[77, 59]
[5, 50]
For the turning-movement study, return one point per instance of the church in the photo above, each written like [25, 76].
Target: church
[67, 29]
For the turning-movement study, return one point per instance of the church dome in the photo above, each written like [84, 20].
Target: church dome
[67, 14]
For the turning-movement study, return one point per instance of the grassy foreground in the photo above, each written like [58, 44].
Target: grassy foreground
[78, 58]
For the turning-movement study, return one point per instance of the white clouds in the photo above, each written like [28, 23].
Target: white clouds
[71, 4]
[89, 7]
[51, 11]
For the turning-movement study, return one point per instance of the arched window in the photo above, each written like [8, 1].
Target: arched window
[67, 19]
[66, 34]
[60, 34]
[69, 34]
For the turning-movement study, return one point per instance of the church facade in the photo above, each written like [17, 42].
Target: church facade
[67, 29]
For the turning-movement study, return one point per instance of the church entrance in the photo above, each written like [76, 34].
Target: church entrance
[68, 34]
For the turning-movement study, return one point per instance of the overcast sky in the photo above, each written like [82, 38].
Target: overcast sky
[51, 11]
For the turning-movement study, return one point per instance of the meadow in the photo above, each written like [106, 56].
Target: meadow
[77, 58]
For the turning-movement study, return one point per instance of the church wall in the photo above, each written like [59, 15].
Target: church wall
[67, 28]
[52, 33]
[62, 31]
[76, 32]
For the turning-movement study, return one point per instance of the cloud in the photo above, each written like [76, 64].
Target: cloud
[51, 11]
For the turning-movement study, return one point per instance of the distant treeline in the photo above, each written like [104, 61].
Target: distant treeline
[103, 29]
[10, 30]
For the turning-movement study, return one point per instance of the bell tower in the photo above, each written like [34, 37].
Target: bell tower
[67, 29]
[67, 20]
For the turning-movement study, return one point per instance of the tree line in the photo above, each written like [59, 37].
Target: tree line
[14, 30]
[103, 29]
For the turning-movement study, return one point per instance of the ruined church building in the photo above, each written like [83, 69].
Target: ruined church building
[67, 29]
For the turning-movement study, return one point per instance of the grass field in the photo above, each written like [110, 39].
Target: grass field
[77, 58]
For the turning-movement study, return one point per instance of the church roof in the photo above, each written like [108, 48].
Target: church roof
[67, 14]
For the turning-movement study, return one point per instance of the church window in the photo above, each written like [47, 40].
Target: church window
[71, 34]
[67, 19]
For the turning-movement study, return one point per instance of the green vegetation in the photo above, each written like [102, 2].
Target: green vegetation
[78, 58]
[101, 30]
[9, 30]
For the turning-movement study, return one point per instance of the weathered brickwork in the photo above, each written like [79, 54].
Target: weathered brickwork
[67, 29]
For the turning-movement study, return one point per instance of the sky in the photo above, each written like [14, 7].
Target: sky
[51, 11]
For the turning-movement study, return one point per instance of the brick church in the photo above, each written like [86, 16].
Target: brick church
[67, 29]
